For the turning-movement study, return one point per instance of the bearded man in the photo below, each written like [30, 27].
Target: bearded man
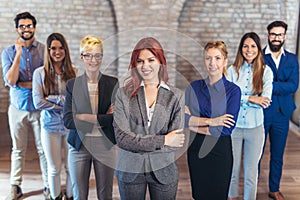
[18, 63]
[285, 69]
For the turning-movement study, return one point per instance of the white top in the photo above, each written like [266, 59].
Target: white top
[276, 60]
[94, 96]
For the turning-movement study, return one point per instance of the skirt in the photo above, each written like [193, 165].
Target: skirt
[210, 163]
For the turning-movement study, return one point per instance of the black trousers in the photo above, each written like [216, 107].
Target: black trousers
[210, 163]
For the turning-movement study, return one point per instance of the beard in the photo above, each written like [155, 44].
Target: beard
[27, 38]
[273, 47]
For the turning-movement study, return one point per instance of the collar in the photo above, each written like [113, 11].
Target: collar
[268, 50]
[161, 84]
[99, 76]
[219, 85]
[34, 43]
[246, 65]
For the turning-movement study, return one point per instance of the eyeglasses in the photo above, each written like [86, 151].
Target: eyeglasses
[23, 26]
[97, 56]
[274, 35]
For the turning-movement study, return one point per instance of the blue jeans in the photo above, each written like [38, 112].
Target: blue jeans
[53, 144]
[136, 190]
[20, 122]
[93, 151]
[249, 142]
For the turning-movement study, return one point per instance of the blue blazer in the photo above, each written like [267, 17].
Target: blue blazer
[78, 101]
[285, 83]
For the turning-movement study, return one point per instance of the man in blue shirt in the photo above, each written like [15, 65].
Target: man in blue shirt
[18, 63]
[285, 68]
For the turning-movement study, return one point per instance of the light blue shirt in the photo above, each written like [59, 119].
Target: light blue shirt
[250, 114]
[52, 107]
[32, 58]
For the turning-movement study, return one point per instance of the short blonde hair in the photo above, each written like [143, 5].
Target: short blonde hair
[89, 42]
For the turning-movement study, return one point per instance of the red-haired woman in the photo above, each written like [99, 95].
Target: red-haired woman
[148, 115]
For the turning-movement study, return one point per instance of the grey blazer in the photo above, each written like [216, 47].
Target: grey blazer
[141, 148]
[78, 101]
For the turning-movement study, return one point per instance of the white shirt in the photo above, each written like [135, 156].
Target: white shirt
[150, 110]
[93, 93]
[276, 60]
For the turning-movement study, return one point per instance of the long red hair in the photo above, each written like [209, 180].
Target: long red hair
[134, 81]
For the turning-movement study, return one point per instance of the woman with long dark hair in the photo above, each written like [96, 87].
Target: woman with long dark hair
[255, 80]
[49, 88]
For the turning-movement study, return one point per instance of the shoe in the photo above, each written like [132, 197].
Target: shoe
[47, 193]
[60, 197]
[15, 193]
[68, 198]
[65, 197]
[276, 195]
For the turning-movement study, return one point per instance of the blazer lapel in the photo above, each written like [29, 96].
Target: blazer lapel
[101, 94]
[142, 105]
[159, 114]
[269, 61]
[156, 115]
[282, 60]
[85, 89]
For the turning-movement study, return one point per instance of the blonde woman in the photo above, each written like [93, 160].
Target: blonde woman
[88, 114]
[212, 107]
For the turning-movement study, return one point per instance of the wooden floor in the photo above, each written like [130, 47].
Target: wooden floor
[32, 184]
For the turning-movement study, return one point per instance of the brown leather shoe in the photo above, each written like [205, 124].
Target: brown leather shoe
[276, 195]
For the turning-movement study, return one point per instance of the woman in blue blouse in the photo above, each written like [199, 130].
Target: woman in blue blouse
[48, 91]
[255, 80]
[212, 107]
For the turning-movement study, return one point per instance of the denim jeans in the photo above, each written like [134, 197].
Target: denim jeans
[93, 151]
[53, 143]
[20, 122]
[249, 143]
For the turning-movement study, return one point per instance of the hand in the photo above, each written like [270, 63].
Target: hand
[175, 138]
[259, 100]
[18, 44]
[111, 109]
[224, 120]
